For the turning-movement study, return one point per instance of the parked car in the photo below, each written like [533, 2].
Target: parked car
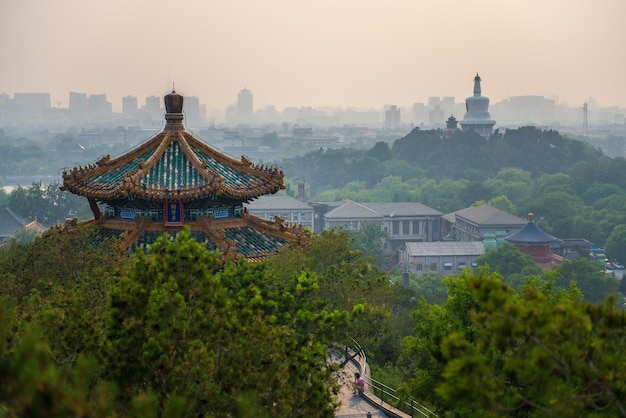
[618, 265]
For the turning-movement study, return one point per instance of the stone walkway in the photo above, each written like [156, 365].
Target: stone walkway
[353, 406]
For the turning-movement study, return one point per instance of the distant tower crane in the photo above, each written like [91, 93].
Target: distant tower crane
[585, 120]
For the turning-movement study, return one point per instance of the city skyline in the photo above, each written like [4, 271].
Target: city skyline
[326, 53]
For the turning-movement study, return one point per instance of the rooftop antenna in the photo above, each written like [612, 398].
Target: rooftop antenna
[585, 120]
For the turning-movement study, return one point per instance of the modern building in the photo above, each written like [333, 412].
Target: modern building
[477, 116]
[439, 257]
[153, 107]
[392, 117]
[472, 223]
[193, 117]
[175, 180]
[129, 106]
[536, 243]
[245, 108]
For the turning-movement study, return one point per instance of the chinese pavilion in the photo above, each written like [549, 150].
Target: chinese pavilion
[533, 241]
[175, 180]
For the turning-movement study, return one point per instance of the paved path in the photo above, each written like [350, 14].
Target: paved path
[353, 406]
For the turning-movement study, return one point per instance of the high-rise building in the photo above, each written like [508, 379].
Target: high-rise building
[153, 107]
[392, 117]
[192, 111]
[129, 106]
[78, 102]
[245, 108]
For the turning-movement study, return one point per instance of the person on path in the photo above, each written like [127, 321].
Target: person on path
[358, 385]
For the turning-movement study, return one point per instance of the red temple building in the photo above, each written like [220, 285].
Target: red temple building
[175, 180]
[533, 241]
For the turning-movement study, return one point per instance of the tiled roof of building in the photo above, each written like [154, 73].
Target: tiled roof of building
[351, 209]
[378, 210]
[247, 236]
[173, 165]
[273, 202]
[173, 181]
[530, 234]
[402, 209]
[444, 248]
[485, 215]
[10, 222]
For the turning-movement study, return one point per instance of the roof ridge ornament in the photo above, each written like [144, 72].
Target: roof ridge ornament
[477, 90]
[174, 110]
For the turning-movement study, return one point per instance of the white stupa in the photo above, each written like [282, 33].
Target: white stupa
[477, 116]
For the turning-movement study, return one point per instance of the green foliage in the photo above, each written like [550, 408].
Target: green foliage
[48, 204]
[54, 259]
[32, 385]
[616, 243]
[344, 282]
[177, 331]
[514, 266]
[537, 353]
[369, 239]
[595, 285]
[430, 287]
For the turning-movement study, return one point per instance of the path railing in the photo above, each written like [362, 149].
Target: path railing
[385, 395]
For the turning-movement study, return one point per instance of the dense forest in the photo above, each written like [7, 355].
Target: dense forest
[90, 331]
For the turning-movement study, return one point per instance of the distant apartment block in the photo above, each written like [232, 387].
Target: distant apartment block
[129, 106]
[245, 107]
[392, 117]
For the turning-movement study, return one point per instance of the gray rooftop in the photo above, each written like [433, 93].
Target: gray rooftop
[485, 215]
[270, 202]
[351, 209]
[447, 248]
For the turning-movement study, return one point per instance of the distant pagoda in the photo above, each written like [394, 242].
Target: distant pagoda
[174, 180]
[531, 240]
[477, 116]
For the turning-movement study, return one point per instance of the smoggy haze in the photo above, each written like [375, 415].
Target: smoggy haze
[325, 52]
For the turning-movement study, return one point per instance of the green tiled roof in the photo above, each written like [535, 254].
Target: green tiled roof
[103, 234]
[249, 241]
[173, 165]
[172, 171]
[229, 176]
[114, 177]
[149, 237]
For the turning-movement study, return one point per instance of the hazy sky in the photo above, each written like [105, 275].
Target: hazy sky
[359, 53]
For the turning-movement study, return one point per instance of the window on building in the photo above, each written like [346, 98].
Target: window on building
[396, 227]
[418, 267]
[405, 227]
[433, 266]
[416, 227]
[447, 266]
